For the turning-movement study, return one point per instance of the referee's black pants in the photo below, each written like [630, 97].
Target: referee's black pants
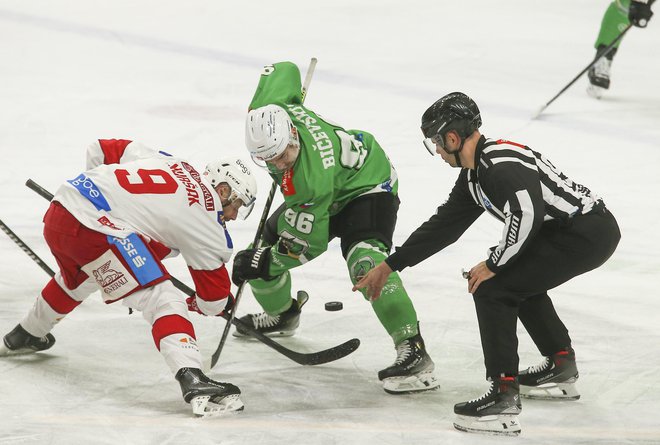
[558, 253]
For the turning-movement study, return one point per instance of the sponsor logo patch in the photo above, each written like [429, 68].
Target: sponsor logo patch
[287, 183]
[138, 257]
[89, 190]
[112, 277]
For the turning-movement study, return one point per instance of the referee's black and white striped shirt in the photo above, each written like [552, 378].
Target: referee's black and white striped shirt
[513, 183]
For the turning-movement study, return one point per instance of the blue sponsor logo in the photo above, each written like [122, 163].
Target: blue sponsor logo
[138, 257]
[230, 243]
[387, 185]
[89, 190]
[487, 203]
[164, 153]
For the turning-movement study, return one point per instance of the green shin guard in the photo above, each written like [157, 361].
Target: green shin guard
[394, 308]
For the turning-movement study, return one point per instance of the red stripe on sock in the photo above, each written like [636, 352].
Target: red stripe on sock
[57, 298]
[171, 324]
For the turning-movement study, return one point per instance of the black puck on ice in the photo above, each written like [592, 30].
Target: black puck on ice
[334, 306]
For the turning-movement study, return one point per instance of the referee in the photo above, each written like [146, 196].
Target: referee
[554, 230]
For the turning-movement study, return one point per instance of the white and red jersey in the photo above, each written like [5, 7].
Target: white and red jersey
[129, 188]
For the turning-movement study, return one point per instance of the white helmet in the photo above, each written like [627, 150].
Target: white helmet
[235, 172]
[268, 131]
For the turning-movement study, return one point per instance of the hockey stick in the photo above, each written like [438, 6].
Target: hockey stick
[26, 248]
[260, 229]
[598, 56]
[306, 359]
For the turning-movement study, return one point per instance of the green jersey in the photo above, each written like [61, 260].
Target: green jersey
[334, 166]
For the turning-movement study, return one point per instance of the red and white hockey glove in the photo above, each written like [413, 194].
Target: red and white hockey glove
[216, 308]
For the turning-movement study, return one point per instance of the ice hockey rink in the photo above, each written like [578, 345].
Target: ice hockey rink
[179, 76]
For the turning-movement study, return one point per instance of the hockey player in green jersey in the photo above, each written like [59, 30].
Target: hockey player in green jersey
[619, 15]
[335, 183]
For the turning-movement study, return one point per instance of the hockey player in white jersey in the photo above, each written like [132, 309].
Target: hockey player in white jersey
[110, 227]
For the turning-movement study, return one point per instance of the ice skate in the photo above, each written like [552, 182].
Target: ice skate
[207, 397]
[280, 325]
[412, 370]
[599, 77]
[496, 412]
[553, 379]
[19, 341]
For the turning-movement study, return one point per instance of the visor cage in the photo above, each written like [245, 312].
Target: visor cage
[434, 137]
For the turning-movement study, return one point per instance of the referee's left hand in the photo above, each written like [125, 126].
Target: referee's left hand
[479, 274]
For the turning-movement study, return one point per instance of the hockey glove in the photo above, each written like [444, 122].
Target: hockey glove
[216, 308]
[640, 12]
[251, 264]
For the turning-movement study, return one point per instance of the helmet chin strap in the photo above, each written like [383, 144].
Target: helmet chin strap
[458, 160]
[456, 152]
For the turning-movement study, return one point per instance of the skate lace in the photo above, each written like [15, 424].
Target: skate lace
[484, 395]
[602, 68]
[545, 364]
[263, 320]
[403, 351]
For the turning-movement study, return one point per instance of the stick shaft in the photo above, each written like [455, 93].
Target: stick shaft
[593, 62]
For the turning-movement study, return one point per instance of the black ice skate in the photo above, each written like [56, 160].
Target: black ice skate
[280, 325]
[599, 77]
[495, 412]
[208, 397]
[412, 370]
[20, 341]
[553, 379]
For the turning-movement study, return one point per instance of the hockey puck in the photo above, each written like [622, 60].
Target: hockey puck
[334, 306]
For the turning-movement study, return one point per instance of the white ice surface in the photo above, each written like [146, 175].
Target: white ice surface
[179, 75]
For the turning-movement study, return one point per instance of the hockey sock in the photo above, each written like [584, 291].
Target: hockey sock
[51, 306]
[174, 337]
[614, 21]
[274, 295]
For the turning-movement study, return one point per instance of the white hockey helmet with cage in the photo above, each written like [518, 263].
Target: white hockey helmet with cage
[268, 132]
[236, 173]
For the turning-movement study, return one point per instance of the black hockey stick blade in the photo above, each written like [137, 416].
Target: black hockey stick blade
[302, 358]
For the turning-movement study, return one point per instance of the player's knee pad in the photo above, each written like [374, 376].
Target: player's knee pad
[158, 301]
[364, 256]
[61, 299]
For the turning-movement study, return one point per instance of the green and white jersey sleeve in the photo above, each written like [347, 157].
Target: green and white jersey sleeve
[334, 167]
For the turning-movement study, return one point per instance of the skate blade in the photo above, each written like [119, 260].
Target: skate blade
[203, 407]
[495, 425]
[550, 391]
[424, 381]
[6, 352]
[595, 91]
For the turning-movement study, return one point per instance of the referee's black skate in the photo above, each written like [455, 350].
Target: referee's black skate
[495, 412]
[208, 397]
[553, 379]
[20, 341]
[412, 370]
[280, 325]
